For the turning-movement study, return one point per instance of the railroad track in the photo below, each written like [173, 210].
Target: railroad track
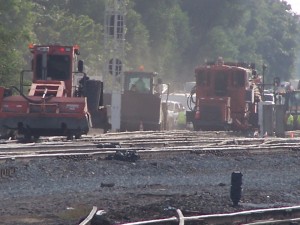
[153, 144]
[281, 216]
[284, 215]
[146, 144]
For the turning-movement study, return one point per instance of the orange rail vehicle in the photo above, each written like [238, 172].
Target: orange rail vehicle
[62, 100]
[225, 97]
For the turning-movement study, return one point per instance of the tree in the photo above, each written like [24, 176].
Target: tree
[137, 45]
[59, 26]
[169, 35]
[276, 30]
[15, 30]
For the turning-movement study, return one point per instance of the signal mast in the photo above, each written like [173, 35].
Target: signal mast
[114, 43]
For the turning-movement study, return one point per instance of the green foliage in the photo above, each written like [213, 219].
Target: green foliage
[167, 36]
[15, 29]
[279, 42]
[59, 26]
[137, 47]
[253, 31]
[94, 9]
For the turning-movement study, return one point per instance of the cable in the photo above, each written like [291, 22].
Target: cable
[191, 99]
[30, 100]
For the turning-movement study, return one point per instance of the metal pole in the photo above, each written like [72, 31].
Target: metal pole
[264, 67]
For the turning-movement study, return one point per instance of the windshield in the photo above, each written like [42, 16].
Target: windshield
[138, 82]
[238, 79]
[58, 67]
[202, 78]
[221, 80]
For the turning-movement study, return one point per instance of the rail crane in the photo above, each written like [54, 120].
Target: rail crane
[61, 101]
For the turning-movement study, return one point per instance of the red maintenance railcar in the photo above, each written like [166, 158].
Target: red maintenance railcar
[61, 98]
[225, 97]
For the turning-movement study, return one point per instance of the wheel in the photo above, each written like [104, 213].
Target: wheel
[36, 137]
[70, 135]
[27, 137]
[77, 136]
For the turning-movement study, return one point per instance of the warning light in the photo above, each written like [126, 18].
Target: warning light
[141, 68]
[31, 46]
[61, 50]
[76, 49]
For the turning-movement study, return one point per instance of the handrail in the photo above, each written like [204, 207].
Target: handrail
[22, 79]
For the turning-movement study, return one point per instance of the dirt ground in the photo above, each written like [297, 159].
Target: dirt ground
[62, 191]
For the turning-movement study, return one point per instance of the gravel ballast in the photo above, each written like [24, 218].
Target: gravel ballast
[61, 191]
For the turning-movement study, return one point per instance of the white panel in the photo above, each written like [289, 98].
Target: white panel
[115, 110]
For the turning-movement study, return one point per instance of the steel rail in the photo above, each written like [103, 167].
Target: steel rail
[146, 153]
[197, 149]
[77, 145]
[281, 222]
[230, 218]
[144, 146]
[90, 216]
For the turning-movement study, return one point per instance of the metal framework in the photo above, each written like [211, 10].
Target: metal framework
[114, 40]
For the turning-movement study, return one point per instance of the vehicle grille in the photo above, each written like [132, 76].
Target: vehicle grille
[43, 108]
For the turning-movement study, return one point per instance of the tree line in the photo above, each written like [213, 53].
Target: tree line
[170, 37]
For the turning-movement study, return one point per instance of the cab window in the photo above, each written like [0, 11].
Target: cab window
[58, 67]
[203, 79]
[238, 79]
[221, 80]
[139, 84]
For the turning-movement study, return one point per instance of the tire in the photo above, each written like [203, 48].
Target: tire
[69, 135]
[77, 136]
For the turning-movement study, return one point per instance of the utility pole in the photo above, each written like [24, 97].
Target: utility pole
[114, 43]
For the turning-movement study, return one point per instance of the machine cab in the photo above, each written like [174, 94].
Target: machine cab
[140, 82]
[54, 63]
